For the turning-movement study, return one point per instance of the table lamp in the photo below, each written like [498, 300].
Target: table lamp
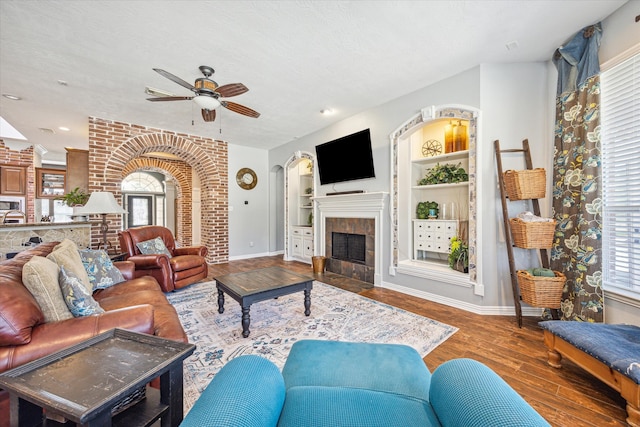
[102, 203]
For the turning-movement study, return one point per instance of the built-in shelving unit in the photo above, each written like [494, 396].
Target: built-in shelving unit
[300, 210]
[430, 242]
[418, 145]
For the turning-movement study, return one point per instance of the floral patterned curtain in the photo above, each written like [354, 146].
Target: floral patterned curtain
[576, 177]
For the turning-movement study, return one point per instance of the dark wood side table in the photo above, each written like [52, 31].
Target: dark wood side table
[85, 382]
[260, 285]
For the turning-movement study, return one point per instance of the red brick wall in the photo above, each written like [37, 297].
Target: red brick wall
[22, 158]
[114, 151]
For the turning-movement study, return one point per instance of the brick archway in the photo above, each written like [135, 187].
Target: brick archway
[181, 172]
[115, 149]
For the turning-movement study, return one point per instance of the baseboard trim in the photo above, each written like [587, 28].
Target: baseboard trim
[249, 256]
[473, 308]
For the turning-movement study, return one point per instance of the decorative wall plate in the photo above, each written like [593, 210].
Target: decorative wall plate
[246, 178]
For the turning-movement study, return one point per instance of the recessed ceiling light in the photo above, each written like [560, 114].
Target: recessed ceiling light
[64, 128]
[46, 130]
[11, 97]
[326, 111]
[62, 83]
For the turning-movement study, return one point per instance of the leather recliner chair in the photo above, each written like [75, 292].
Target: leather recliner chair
[185, 266]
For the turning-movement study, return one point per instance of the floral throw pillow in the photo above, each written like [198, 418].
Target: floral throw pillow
[101, 271]
[153, 246]
[76, 296]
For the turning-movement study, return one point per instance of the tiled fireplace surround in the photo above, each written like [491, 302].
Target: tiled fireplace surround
[359, 213]
[362, 226]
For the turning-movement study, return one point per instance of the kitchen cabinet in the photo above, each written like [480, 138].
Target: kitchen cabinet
[50, 183]
[77, 174]
[13, 180]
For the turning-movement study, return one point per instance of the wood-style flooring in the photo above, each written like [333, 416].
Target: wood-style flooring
[567, 397]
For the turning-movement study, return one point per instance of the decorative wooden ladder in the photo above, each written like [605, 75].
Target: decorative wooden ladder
[544, 259]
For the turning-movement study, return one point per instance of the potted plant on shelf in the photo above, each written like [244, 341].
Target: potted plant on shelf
[75, 199]
[427, 210]
[459, 255]
[444, 174]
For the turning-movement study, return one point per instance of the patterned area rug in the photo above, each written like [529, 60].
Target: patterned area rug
[276, 324]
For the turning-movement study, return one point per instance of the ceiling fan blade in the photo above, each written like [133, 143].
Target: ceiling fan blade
[170, 98]
[241, 109]
[208, 115]
[174, 78]
[233, 89]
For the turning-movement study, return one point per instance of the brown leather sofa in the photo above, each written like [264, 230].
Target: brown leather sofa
[137, 304]
[185, 266]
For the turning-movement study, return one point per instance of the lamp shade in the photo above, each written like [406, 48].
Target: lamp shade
[101, 202]
[206, 102]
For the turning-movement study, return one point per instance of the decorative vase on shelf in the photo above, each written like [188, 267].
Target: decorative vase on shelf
[461, 267]
[448, 138]
[460, 141]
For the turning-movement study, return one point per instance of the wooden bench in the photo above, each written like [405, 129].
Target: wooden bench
[611, 353]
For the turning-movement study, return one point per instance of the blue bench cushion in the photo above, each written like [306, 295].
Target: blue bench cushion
[336, 406]
[391, 368]
[617, 346]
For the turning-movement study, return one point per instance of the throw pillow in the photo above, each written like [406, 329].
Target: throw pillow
[79, 301]
[101, 271]
[66, 254]
[153, 246]
[40, 276]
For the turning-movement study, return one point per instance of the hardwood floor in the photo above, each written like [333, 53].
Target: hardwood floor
[564, 397]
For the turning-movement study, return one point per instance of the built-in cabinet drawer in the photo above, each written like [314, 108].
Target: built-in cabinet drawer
[302, 242]
[433, 235]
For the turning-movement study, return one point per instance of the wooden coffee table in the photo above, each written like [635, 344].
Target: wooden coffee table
[260, 285]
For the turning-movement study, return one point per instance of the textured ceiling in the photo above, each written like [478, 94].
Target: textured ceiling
[296, 58]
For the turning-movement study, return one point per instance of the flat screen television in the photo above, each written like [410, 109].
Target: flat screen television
[345, 159]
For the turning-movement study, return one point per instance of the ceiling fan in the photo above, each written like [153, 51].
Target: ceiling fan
[208, 94]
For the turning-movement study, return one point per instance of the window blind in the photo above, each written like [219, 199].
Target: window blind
[620, 137]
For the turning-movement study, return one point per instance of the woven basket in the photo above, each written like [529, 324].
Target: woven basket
[540, 291]
[532, 235]
[526, 184]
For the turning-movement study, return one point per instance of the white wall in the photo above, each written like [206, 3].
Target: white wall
[248, 222]
[516, 102]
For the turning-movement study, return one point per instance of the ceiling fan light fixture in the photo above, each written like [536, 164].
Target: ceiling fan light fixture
[206, 102]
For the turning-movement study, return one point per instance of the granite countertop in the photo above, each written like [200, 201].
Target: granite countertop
[47, 224]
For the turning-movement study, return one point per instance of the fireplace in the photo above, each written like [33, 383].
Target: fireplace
[350, 247]
[358, 213]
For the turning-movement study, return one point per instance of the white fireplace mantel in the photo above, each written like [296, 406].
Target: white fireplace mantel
[356, 205]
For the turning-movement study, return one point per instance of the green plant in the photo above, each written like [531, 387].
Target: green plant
[422, 210]
[444, 174]
[75, 197]
[459, 254]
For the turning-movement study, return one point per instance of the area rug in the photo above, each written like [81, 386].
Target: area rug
[276, 324]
